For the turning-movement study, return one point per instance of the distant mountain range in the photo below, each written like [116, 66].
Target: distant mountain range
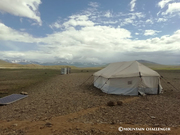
[60, 64]
[77, 64]
[148, 62]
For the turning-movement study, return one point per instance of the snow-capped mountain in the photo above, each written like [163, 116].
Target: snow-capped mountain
[70, 63]
[77, 64]
[22, 62]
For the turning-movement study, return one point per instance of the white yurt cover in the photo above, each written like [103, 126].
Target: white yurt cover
[127, 78]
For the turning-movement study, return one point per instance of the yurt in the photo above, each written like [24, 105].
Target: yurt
[127, 78]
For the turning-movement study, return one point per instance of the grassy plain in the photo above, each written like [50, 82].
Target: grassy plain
[17, 80]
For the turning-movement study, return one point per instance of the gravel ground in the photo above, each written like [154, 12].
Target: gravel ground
[62, 96]
[58, 96]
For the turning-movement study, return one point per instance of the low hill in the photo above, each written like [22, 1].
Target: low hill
[4, 64]
[153, 65]
[157, 66]
[7, 64]
[150, 64]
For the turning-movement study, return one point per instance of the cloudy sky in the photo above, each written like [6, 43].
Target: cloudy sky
[100, 31]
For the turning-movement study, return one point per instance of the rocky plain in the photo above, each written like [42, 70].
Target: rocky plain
[63, 105]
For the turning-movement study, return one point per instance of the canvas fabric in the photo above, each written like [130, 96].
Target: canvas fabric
[127, 78]
[125, 69]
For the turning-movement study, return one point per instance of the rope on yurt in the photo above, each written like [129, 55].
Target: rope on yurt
[166, 85]
[93, 82]
[168, 82]
[141, 84]
[85, 80]
[169, 87]
[104, 83]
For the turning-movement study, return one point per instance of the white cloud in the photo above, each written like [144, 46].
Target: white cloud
[84, 39]
[137, 14]
[163, 3]
[22, 8]
[150, 32]
[149, 21]
[133, 15]
[22, 29]
[131, 18]
[132, 4]
[173, 8]
[91, 18]
[158, 13]
[75, 20]
[127, 21]
[90, 43]
[21, 20]
[56, 25]
[88, 36]
[78, 20]
[85, 46]
[108, 14]
[110, 22]
[168, 42]
[161, 20]
[9, 34]
[71, 43]
[94, 4]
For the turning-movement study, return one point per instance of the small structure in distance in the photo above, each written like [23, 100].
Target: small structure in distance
[66, 70]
